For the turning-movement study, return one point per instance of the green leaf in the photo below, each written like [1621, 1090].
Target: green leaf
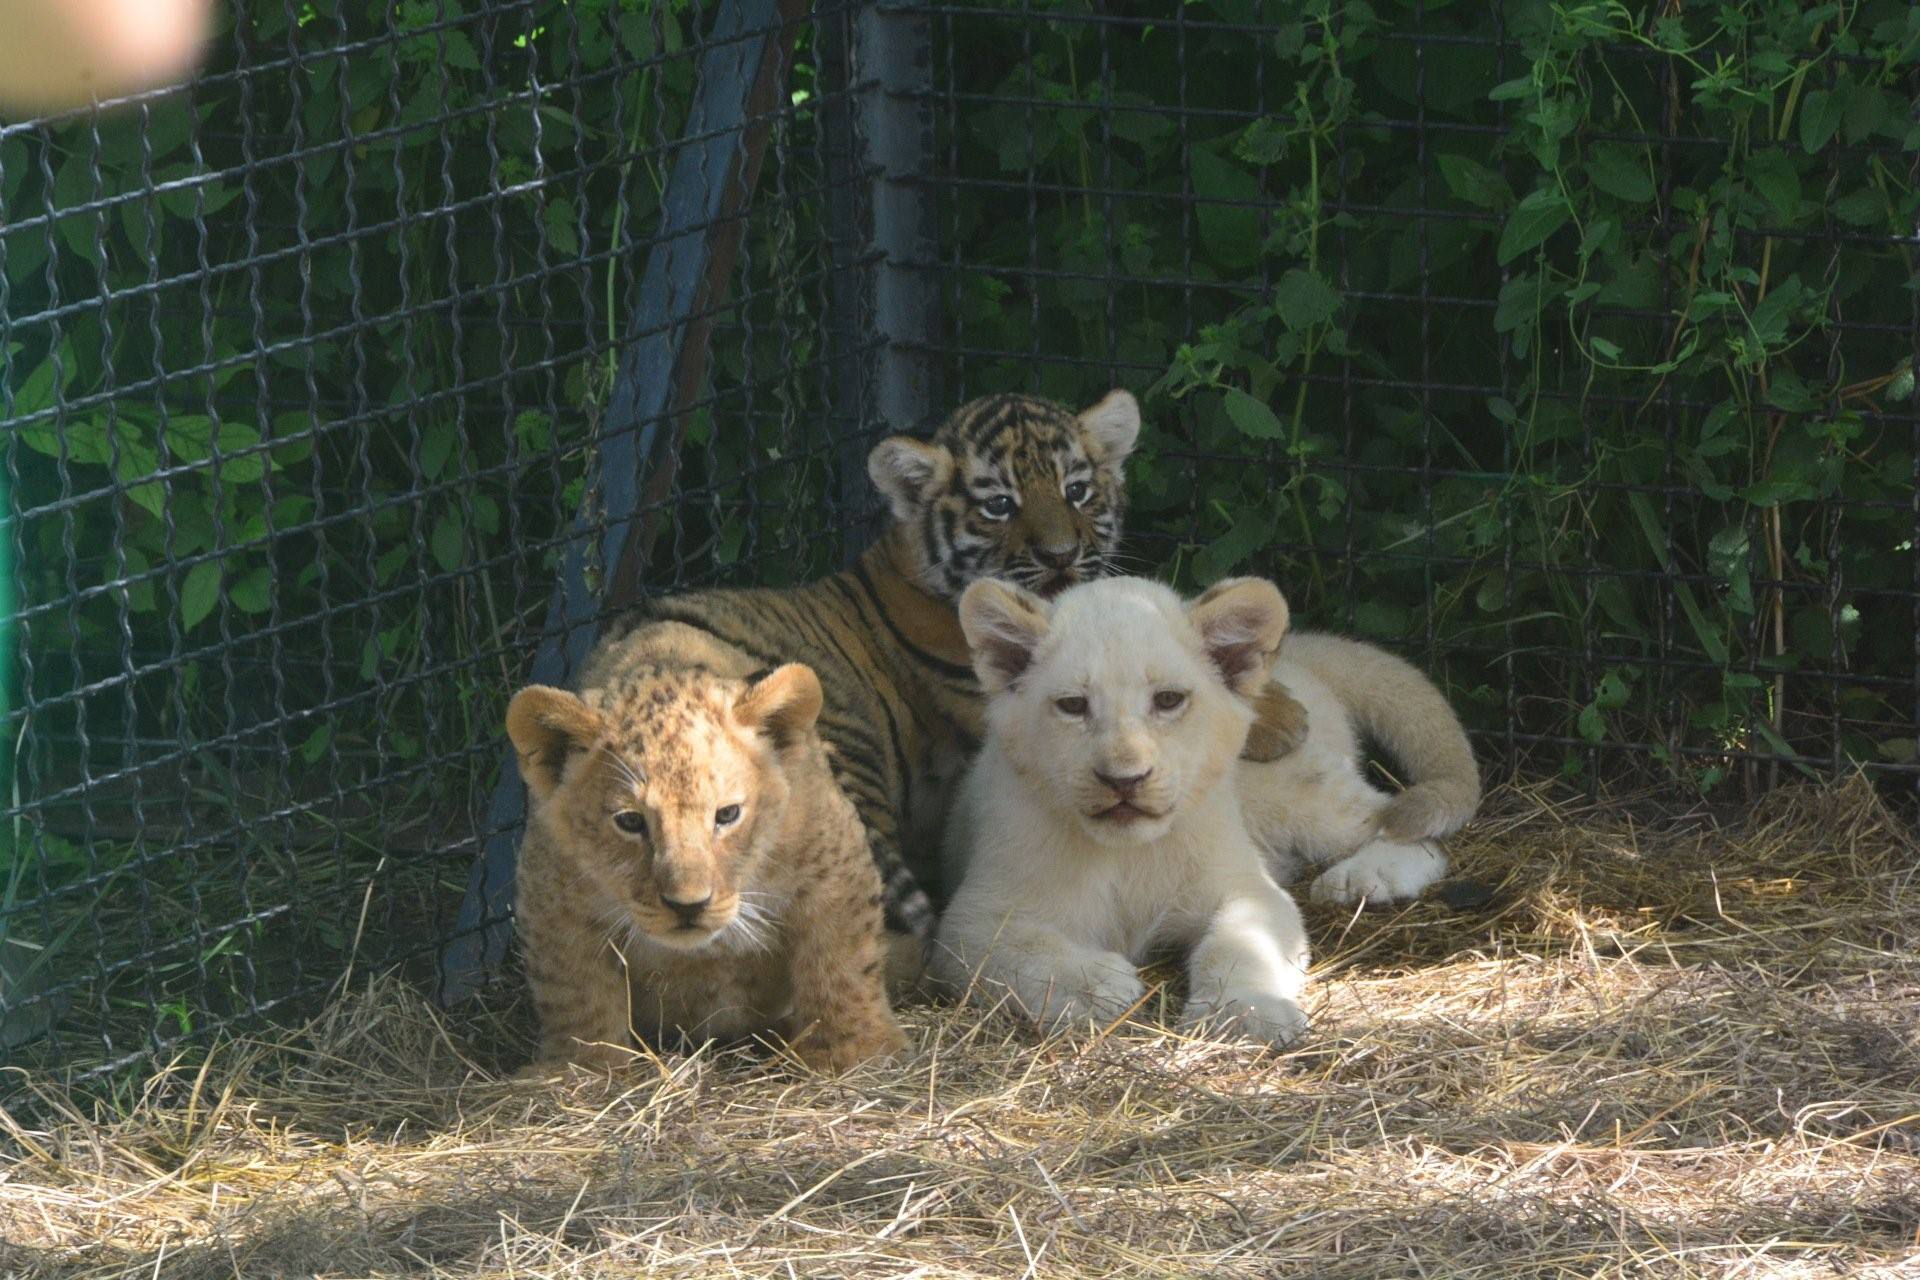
[1252, 417]
[1862, 208]
[1474, 182]
[1303, 299]
[559, 221]
[1381, 619]
[253, 592]
[1821, 111]
[436, 446]
[36, 393]
[1728, 556]
[1772, 174]
[448, 541]
[1620, 171]
[1593, 724]
[1607, 350]
[317, 742]
[199, 593]
[1224, 554]
[191, 439]
[1535, 218]
[1230, 233]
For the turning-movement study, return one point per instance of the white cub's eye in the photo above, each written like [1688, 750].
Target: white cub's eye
[1070, 706]
[1169, 700]
[1077, 492]
[998, 507]
[726, 815]
[631, 821]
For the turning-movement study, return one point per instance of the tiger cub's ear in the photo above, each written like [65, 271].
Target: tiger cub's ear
[782, 705]
[1279, 726]
[547, 726]
[908, 473]
[1114, 426]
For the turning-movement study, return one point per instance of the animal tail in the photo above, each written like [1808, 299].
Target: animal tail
[1396, 706]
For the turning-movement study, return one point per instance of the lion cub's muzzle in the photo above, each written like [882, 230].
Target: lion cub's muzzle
[683, 908]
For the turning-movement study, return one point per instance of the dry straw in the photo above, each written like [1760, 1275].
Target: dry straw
[1664, 1046]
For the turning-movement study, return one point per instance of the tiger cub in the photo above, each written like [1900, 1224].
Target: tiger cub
[1009, 486]
[690, 866]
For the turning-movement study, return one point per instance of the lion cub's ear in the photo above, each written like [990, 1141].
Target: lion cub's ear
[1003, 625]
[1279, 727]
[548, 725]
[908, 472]
[782, 705]
[1241, 622]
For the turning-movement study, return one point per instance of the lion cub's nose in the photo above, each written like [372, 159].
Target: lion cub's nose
[1123, 785]
[689, 912]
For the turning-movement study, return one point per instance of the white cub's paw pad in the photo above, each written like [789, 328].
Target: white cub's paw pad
[1380, 873]
[1089, 995]
[1257, 1015]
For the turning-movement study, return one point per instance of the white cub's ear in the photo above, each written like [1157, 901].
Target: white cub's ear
[782, 705]
[1114, 426]
[1241, 622]
[546, 726]
[908, 472]
[1004, 625]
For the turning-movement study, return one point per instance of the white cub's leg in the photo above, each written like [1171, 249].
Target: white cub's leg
[1381, 872]
[1251, 965]
[1055, 980]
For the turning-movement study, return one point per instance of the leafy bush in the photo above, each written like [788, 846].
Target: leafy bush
[1574, 341]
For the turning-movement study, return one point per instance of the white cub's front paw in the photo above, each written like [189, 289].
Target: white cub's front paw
[1379, 873]
[1083, 993]
[1257, 1015]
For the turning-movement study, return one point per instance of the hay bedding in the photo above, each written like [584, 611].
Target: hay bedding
[1661, 1047]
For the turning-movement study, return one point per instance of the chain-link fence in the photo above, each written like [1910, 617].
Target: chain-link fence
[307, 371]
[1568, 348]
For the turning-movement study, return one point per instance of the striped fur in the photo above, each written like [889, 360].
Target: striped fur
[1008, 486]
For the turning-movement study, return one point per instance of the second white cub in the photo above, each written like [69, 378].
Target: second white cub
[1102, 818]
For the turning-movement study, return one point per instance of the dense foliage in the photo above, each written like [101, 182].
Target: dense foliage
[1580, 352]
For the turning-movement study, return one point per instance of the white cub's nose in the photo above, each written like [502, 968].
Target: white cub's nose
[1123, 784]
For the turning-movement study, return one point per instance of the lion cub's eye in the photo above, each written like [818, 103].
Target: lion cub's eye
[998, 507]
[631, 821]
[1077, 492]
[1070, 706]
[1169, 700]
[726, 815]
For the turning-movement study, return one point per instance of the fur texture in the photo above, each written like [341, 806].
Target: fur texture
[1009, 486]
[1315, 806]
[690, 867]
[1102, 819]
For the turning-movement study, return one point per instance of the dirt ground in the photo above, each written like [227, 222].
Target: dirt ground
[1628, 1040]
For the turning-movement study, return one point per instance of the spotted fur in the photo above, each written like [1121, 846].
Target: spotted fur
[691, 868]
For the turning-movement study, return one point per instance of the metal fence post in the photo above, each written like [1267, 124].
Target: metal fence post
[688, 274]
[893, 66]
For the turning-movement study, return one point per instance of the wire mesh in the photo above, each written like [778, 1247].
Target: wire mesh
[1567, 348]
[1529, 339]
[304, 368]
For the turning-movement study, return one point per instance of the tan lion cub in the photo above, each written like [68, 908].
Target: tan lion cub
[1102, 817]
[691, 866]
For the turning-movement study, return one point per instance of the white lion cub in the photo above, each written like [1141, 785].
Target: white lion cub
[1102, 817]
